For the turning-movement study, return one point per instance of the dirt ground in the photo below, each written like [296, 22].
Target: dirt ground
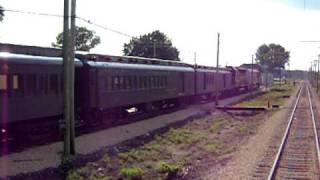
[223, 145]
[243, 162]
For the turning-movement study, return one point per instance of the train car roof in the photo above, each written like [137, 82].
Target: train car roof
[117, 65]
[213, 69]
[29, 59]
[221, 71]
[131, 60]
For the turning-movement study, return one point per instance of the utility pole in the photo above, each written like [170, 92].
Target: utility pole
[72, 71]
[217, 71]
[318, 73]
[315, 72]
[66, 90]
[68, 78]
[311, 74]
[195, 72]
[154, 49]
[252, 72]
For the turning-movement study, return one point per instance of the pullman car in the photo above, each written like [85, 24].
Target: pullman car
[116, 84]
[30, 89]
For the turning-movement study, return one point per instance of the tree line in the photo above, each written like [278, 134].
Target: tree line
[158, 45]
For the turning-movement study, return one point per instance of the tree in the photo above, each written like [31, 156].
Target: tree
[273, 56]
[1, 13]
[85, 39]
[152, 45]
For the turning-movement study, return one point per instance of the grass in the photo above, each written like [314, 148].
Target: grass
[134, 155]
[86, 171]
[218, 124]
[170, 169]
[132, 173]
[275, 96]
[207, 139]
[214, 148]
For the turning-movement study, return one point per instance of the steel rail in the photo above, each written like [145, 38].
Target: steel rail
[284, 139]
[314, 128]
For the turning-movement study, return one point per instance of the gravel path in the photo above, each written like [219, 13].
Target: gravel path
[48, 156]
[244, 161]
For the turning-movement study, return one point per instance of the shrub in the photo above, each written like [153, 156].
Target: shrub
[171, 169]
[133, 173]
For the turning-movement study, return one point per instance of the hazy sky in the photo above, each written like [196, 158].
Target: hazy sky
[192, 25]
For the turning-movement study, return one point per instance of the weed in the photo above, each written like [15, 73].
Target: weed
[213, 148]
[74, 175]
[183, 136]
[154, 146]
[133, 173]
[106, 159]
[217, 125]
[170, 169]
[133, 155]
[274, 96]
[242, 129]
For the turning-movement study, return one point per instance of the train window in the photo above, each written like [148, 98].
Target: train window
[182, 82]
[31, 84]
[3, 82]
[164, 82]
[20, 84]
[113, 86]
[125, 82]
[204, 81]
[134, 82]
[149, 82]
[154, 83]
[115, 83]
[61, 83]
[42, 84]
[15, 82]
[53, 83]
[140, 82]
[145, 82]
[161, 81]
[121, 83]
[224, 81]
[129, 82]
[157, 82]
[106, 84]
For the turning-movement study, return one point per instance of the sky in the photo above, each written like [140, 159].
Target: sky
[192, 25]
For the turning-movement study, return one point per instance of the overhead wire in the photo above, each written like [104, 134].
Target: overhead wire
[61, 16]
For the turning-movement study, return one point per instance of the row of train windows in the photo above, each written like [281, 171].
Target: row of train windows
[211, 79]
[30, 84]
[136, 82]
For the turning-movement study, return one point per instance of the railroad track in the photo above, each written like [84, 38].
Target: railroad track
[295, 155]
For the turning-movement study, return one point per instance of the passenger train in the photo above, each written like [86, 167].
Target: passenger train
[31, 88]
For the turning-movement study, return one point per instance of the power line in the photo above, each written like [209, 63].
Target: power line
[32, 13]
[61, 16]
[103, 27]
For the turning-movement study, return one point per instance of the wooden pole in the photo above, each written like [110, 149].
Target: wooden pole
[217, 71]
[252, 72]
[318, 74]
[68, 78]
[66, 84]
[72, 70]
[154, 49]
